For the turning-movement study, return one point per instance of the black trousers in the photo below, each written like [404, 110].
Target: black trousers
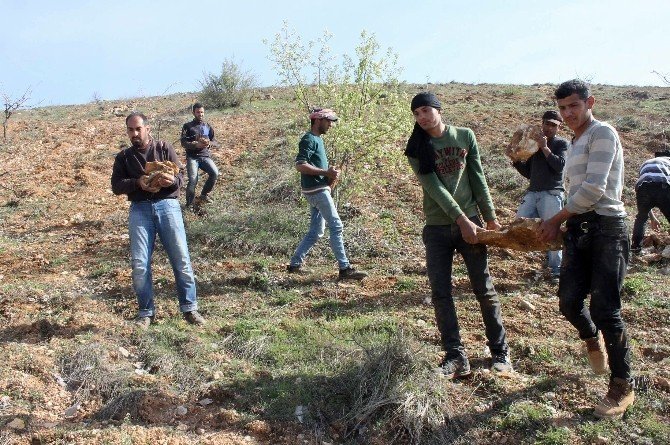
[594, 262]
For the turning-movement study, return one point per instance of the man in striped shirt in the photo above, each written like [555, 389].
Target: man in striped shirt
[596, 244]
[651, 190]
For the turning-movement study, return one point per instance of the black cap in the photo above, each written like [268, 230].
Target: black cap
[552, 116]
[425, 98]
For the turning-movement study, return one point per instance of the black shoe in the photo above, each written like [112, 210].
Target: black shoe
[295, 269]
[500, 362]
[455, 367]
[351, 274]
[194, 317]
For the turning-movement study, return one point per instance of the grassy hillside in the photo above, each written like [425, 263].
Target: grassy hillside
[295, 359]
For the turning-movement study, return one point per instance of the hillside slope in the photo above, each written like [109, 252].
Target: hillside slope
[76, 371]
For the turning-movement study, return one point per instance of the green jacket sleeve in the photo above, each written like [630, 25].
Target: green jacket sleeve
[434, 188]
[480, 189]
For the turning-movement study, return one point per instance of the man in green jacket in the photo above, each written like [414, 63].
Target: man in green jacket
[446, 162]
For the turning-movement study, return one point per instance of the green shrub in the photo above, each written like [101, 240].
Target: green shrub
[229, 88]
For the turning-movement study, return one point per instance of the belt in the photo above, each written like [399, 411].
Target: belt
[154, 199]
[588, 221]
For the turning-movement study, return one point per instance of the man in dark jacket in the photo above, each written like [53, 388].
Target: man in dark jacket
[154, 210]
[197, 137]
[544, 197]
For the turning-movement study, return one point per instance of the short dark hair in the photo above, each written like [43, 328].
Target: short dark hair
[196, 106]
[571, 87]
[140, 115]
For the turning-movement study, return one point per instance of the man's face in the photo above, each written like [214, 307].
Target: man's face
[324, 125]
[427, 117]
[549, 129]
[575, 111]
[138, 132]
[199, 114]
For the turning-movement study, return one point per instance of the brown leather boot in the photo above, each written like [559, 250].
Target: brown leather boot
[595, 349]
[619, 397]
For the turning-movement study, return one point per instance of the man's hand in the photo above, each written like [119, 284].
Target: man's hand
[548, 230]
[202, 142]
[143, 183]
[332, 173]
[165, 180]
[468, 229]
[493, 225]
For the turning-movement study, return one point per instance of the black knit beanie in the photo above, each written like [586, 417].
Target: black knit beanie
[426, 99]
[418, 145]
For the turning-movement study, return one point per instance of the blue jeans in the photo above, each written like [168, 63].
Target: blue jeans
[649, 195]
[163, 218]
[192, 166]
[544, 204]
[322, 212]
[595, 259]
[441, 242]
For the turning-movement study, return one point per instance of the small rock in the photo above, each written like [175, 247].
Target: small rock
[181, 411]
[124, 352]
[662, 383]
[666, 252]
[60, 381]
[200, 431]
[428, 301]
[182, 427]
[71, 412]
[300, 412]
[527, 305]
[205, 402]
[550, 395]
[17, 424]
[600, 440]
[217, 375]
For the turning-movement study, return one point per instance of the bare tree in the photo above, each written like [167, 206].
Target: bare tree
[664, 77]
[10, 105]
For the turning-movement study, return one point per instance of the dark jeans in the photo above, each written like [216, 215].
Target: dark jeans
[649, 195]
[441, 242]
[594, 261]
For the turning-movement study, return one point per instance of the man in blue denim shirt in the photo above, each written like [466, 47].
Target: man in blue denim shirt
[316, 178]
[544, 197]
[197, 137]
[154, 210]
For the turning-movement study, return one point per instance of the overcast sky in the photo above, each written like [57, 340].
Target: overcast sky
[69, 51]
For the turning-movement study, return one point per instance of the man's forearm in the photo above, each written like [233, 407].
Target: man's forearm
[560, 217]
[309, 169]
